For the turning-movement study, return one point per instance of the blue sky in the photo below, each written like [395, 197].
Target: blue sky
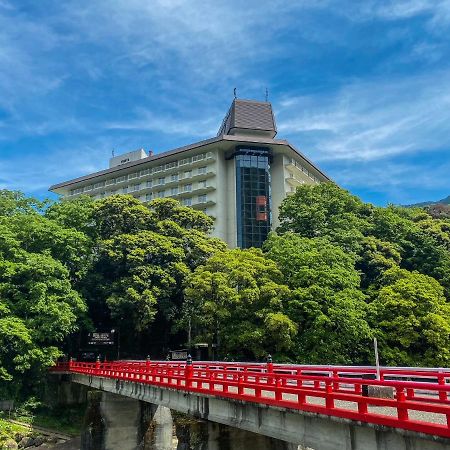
[361, 87]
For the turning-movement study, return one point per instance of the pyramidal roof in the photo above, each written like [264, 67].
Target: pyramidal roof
[249, 117]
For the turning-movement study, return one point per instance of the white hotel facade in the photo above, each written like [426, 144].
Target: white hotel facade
[239, 177]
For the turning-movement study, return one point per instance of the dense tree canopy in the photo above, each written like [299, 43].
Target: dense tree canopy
[238, 300]
[403, 257]
[336, 273]
[38, 305]
[325, 300]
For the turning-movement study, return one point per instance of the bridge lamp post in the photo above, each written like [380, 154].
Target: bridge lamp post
[118, 340]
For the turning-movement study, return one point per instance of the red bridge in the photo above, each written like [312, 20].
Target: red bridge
[414, 399]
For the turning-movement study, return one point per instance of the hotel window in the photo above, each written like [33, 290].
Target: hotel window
[198, 157]
[188, 174]
[132, 175]
[185, 161]
[202, 184]
[161, 194]
[187, 188]
[135, 187]
[119, 179]
[171, 165]
[87, 188]
[253, 196]
[145, 172]
[187, 202]
[174, 191]
[158, 169]
[77, 191]
[174, 177]
[148, 196]
[125, 190]
[161, 180]
[201, 170]
[111, 181]
[202, 199]
[100, 184]
[149, 183]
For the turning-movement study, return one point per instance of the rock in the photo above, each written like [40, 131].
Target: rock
[19, 436]
[26, 442]
[39, 440]
[10, 444]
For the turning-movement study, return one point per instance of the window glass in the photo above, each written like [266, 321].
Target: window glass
[253, 196]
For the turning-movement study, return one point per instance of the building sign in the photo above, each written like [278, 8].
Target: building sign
[177, 355]
[96, 338]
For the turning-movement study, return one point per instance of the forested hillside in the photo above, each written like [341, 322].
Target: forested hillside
[335, 274]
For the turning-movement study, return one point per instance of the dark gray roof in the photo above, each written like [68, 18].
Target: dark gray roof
[249, 115]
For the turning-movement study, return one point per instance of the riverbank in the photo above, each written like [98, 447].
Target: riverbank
[43, 429]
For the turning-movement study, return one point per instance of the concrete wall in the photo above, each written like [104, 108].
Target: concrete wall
[297, 427]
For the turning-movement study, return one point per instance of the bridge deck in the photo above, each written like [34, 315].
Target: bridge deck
[419, 398]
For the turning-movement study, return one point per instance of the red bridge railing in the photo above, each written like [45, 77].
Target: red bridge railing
[418, 398]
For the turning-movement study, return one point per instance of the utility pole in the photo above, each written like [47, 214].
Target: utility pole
[377, 359]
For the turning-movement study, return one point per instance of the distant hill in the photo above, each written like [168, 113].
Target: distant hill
[444, 201]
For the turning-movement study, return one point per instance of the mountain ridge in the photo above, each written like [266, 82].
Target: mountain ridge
[444, 201]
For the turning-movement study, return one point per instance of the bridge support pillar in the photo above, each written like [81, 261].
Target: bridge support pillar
[112, 422]
[194, 434]
[157, 421]
[223, 437]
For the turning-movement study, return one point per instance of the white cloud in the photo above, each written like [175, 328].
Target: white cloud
[39, 170]
[149, 121]
[372, 120]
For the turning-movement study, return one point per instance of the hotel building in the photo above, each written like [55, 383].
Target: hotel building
[239, 177]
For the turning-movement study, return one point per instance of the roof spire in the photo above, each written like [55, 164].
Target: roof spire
[267, 95]
[234, 92]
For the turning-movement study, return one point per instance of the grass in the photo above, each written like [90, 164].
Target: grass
[9, 430]
[66, 419]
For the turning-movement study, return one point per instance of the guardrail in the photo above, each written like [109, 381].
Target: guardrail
[419, 396]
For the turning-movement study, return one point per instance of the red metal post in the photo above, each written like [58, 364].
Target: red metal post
[278, 389]
[269, 368]
[329, 400]
[240, 384]
[441, 382]
[402, 412]
[189, 371]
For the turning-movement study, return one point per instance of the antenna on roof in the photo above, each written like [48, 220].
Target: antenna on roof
[267, 95]
[234, 92]
[113, 153]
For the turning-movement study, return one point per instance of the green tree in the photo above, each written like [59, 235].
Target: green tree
[325, 300]
[15, 202]
[237, 299]
[143, 255]
[325, 210]
[77, 213]
[412, 319]
[121, 214]
[39, 308]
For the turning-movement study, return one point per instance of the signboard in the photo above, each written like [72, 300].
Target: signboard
[97, 338]
[177, 355]
[6, 405]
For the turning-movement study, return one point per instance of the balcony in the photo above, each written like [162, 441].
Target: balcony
[294, 181]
